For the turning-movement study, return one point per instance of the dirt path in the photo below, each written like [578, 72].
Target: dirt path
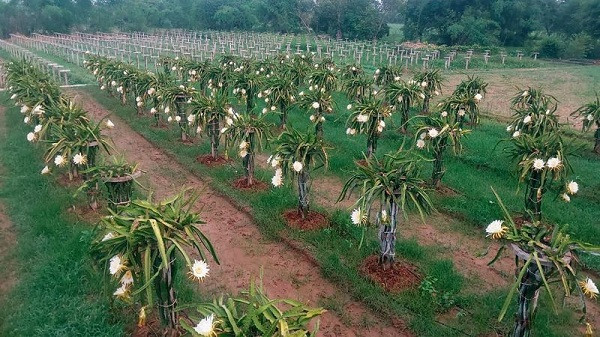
[240, 246]
[8, 238]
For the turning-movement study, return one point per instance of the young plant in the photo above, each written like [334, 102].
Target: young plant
[248, 133]
[144, 244]
[431, 82]
[210, 112]
[590, 116]
[252, 314]
[281, 91]
[435, 134]
[545, 254]
[541, 161]
[394, 185]
[404, 96]
[318, 101]
[295, 155]
[368, 117]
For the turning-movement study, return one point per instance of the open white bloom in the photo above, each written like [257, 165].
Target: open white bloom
[589, 288]
[243, 153]
[79, 159]
[322, 119]
[108, 236]
[206, 326]
[590, 117]
[138, 99]
[377, 72]
[169, 119]
[422, 95]
[423, 135]
[127, 278]
[167, 110]
[151, 91]
[297, 166]
[264, 110]
[153, 111]
[420, 143]
[198, 129]
[382, 124]
[461, 112]
[437, 93]
[566, 197]
[273, 108]
[229, 121]
[121, 291]
[379, 129]
[115, 265]
[178, 119]
[301, 93]
[275, 161]
[243, 144]
[37, 128]
[31, 137]
[102, 87]
[553, 163]
[199, 269]
[424, 84]
[516, 134]
[13, 97]
[538, 164]
[349, 107]
[24, 109]
[444, 113]
[46, 170]
[109, 124]
[525, 93]
[362, 118]
[478, 97]
[527, 119]
[509, 128]
[223, 130]
[26, 120]
[496, 229]
[139, 104]
[38, 110]
[191, 118]
[350, 131]
[572, 187]
[277, 179]
[433, 133]
[357, 217]
[59, 160]
[312, 118]
[316, 105]
[120, 89]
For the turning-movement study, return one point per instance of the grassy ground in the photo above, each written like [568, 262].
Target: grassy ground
[336, 248]
[472, 174]
[58, 293]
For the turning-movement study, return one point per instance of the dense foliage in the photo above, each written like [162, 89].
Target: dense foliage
[531, 23]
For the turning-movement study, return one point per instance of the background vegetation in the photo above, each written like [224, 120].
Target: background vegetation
[538, 24]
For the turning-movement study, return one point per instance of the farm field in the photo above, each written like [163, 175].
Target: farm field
[443, 284]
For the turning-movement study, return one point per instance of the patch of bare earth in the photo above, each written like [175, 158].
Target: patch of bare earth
[561, 83]
[241, 248]
[8, 237]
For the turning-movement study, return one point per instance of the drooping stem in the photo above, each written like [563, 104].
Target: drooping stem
[387, 236]
[426, 104]
[529, 290]
[248, 161]
[214, 137]
[597, 137]
[303, 190]
[534, 194]
[438, 163]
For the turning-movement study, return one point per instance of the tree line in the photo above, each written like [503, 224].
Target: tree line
[556, 28]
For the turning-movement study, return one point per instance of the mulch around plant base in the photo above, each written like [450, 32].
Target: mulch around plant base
[242, 184]
[313, 221]
[447, 191]
[65, 181]
[211, 161]
[394, 278]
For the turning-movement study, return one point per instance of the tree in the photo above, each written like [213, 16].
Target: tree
[296, 154]
[393, 184]
[590, 115]
[368, 117]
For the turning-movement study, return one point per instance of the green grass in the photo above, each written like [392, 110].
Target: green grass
[336, 248]
[58, 292]
[472, 174]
